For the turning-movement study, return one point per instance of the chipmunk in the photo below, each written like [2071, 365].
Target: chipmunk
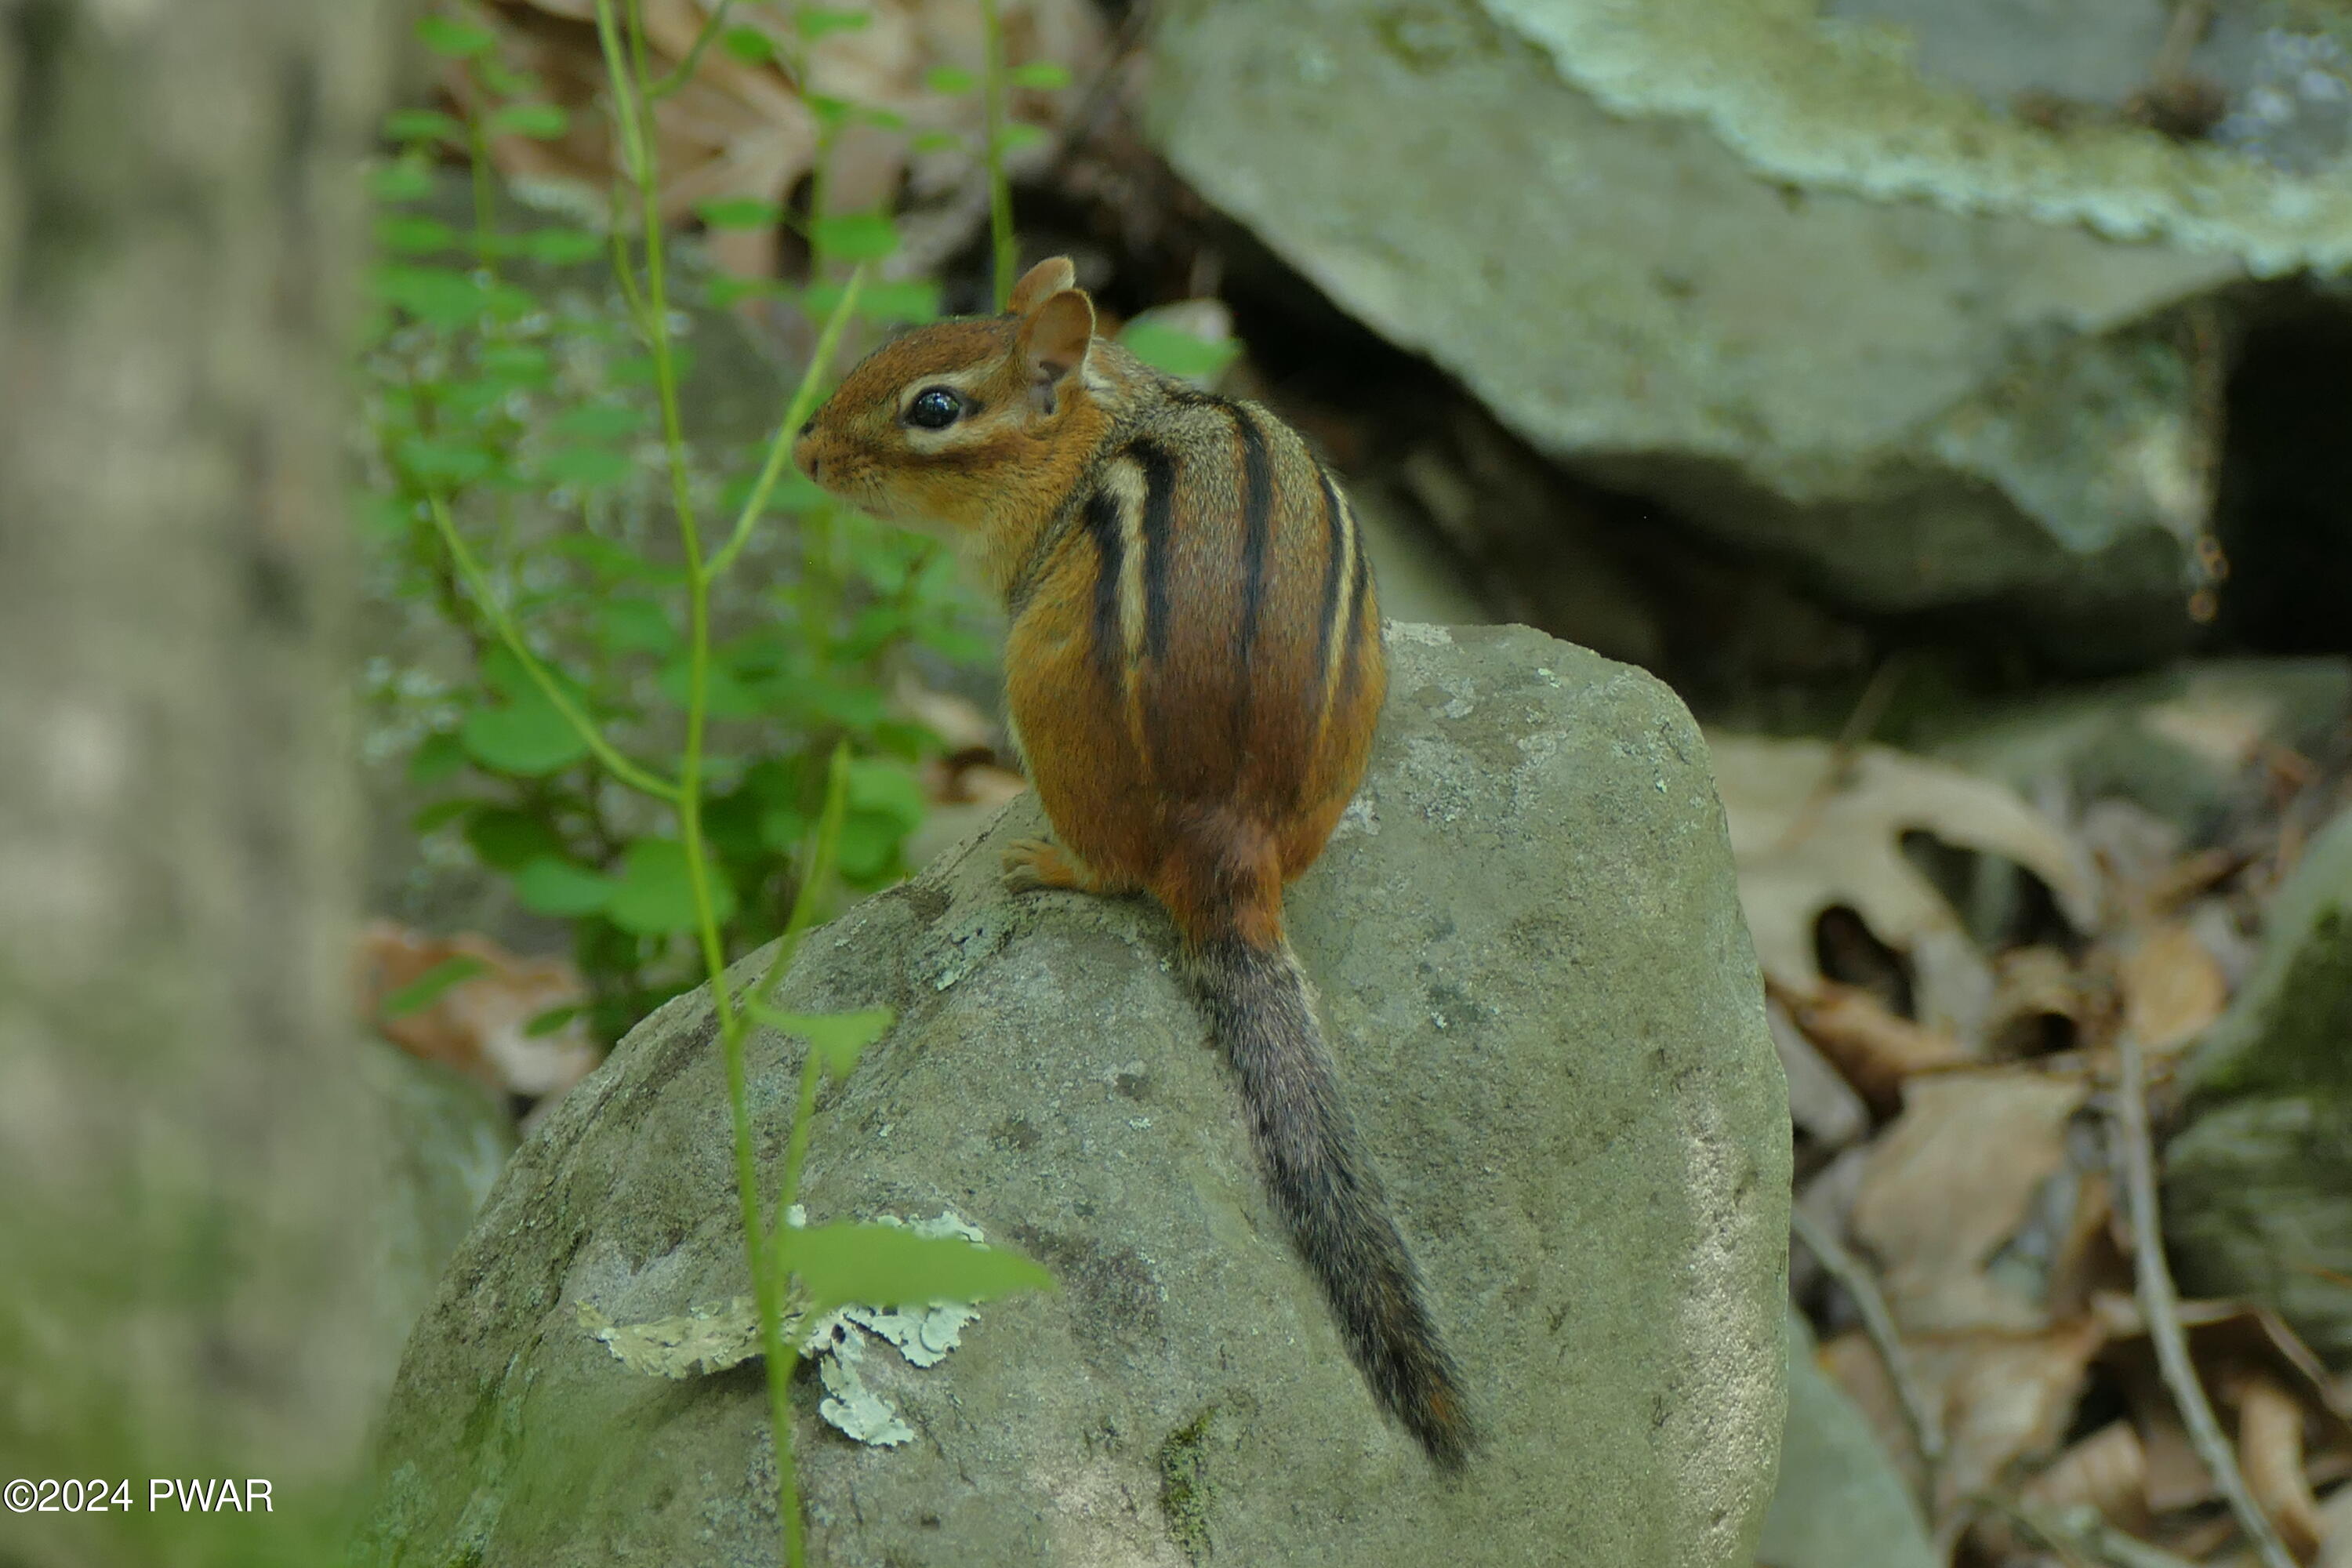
[1194, 671]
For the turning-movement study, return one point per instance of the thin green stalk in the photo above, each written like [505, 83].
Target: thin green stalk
[631, 81]
[478, 152]
[478, 582]
[803, 404]
[684, 71]
[1000, 194]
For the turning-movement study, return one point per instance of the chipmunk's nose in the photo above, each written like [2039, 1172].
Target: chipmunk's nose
[804, 457]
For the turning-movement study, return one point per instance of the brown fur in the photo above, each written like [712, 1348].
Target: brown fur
[1194, 672]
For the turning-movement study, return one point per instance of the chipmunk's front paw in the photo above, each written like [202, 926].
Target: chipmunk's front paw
[1032, 863]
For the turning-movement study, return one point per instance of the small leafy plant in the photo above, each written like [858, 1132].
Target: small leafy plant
[520, 439]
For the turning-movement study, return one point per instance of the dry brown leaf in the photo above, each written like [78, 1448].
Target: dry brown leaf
[2106, 1470]
[479, 1026]
[1808, 840]
[2032, 987]
[1954, 1178]
[1821, 1101]
[2172, 989]
[740, 130]
[2007, 1397]
[2269, 1452]
[1874, 1048]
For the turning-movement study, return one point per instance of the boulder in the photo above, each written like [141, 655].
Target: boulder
[1547, 1012]
[2258, 1181]
[1765, 268]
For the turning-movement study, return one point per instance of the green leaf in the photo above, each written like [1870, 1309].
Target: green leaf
[516, 364]
[599, 421]
[527, 737]
[507, 838]
[889, 1265]
[442, 463]
[781, 828]
[888, 120]
[1176, 351]
[407, 180]
[503, 81]
[724, 291]
[423, 125]
[1016, 136]
[413, 234]
[550, 886]
[610, 560]
[837, 1038]
[437, 757]
[455, 39]
[749, 44]
[725, 694]
[937, 140]
[913, 300]
[738, 211]
[637, 626]
[437, 295]
[856, 237]
[540, 122]
[820, 21]
[655, 894]
[542, 1024]
[440, 814]
[589, 468]
[885, 788]
[869, 844]
[561, 247]
[505, 674]
[1046, 76]
[948, 79]
[430, 986]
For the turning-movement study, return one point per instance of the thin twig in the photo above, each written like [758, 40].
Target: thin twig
[2160, 1304]
[1860, 725]
[1878, 1322]
[2094, 1536]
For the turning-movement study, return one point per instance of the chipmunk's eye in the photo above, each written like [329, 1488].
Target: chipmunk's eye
[934, 408]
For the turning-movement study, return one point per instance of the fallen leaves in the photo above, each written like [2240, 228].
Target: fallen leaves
[751, 122]
[1813, 829]
[1951, 1088]
[512, 1024]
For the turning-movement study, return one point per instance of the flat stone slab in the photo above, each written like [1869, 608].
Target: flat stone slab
[1548, 1017]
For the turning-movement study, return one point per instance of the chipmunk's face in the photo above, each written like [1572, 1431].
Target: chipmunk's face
[963, 422]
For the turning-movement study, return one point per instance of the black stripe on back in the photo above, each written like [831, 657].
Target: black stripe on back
[1335, 524]
[1159, 465]
[1358, 584]
[1257, 523]
[1100, 517]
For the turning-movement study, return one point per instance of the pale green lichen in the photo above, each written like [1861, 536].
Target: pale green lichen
[1838, 105]
[708, 1339]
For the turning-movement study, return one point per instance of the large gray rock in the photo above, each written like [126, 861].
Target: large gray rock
[2258, 1184]
[1533, 967]
[1761, 267]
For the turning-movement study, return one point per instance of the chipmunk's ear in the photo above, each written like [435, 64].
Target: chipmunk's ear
[1055, 334]
[1049, 277]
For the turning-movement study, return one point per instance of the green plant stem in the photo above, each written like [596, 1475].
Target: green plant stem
[803, 404]
[478, 150]
[679, 77]
[630, 85]
[1000, 194]
[478, 584]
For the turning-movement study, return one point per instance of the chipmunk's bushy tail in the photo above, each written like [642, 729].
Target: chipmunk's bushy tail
[1261, 1011]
